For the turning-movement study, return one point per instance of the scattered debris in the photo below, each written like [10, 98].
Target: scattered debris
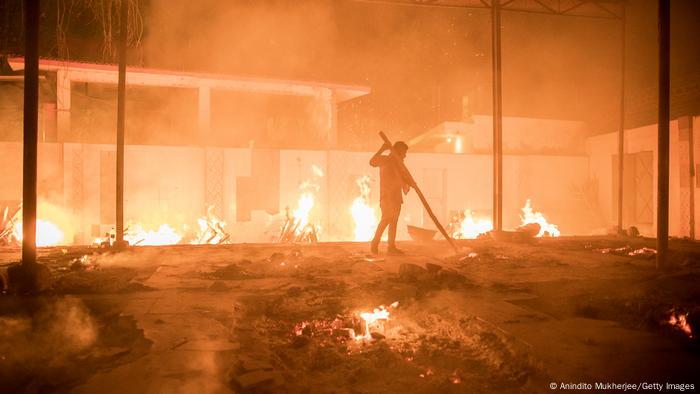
[28, 278]
[180, 343]
[470, 256]
[412, 272]
[628, 251]
[645, 252]
[510, 236]
[276, 258]
[230, 272]
[252, 381]
[83, 263]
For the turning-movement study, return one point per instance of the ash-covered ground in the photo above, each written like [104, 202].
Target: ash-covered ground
[500, 317]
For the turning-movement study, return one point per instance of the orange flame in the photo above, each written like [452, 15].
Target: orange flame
[680, 321]
[529, 216]
[362, 214]
[164, 235]
[378, 315]
[47, 233]
[464, 226]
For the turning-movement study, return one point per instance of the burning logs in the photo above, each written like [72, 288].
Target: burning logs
[8, 234]
[299, 225]
[296, 230]
[211, 230]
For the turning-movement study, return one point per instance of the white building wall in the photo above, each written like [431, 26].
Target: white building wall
[166, 185]
[601, 150]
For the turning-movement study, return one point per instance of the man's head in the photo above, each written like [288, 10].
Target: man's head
[400, 148]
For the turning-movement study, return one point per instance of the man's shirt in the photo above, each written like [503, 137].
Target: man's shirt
[391, 182]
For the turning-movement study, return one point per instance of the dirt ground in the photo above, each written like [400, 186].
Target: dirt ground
[499, 317]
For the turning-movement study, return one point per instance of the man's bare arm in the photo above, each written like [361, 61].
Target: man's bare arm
[375, 160]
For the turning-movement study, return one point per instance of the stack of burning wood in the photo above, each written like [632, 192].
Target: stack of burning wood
[293, 231]
[212, 230]
[7, 226]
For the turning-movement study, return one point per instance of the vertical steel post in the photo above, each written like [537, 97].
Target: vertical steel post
[691, 162]
[497, 116]
[31, 112]
[121, 104]
[663, 134]
[621, 135]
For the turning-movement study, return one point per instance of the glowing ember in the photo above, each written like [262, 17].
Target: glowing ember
[375, 318]
[362, 214]
[529, 216]
[680, 321]
[464, 226]
[165, 235]
[47, 233]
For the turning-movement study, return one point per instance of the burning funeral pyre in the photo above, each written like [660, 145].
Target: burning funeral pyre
[534, 218]
[299, 225]
[211, 232]
[464, 225]
[47, 232]
[362, 213]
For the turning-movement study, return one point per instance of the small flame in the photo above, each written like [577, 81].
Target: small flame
[378, 315]
[464, 226]
[165, 235]
[680, 321]
[362, 214]
[529, 216]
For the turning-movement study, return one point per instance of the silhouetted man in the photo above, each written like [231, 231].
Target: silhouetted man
[391, 186]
